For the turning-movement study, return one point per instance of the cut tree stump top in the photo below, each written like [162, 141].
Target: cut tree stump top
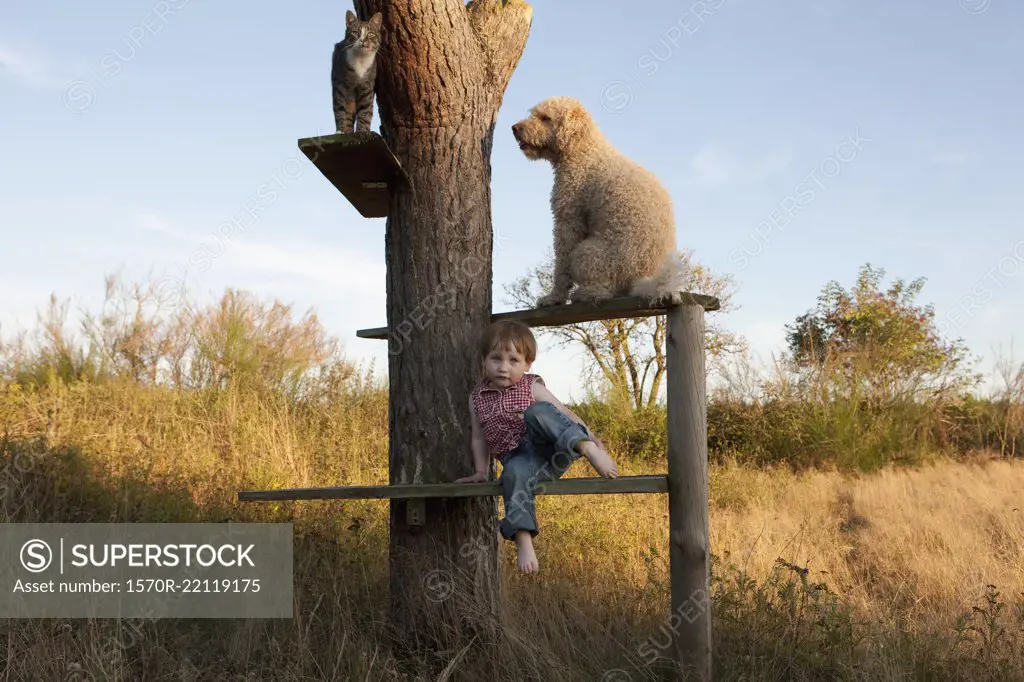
[565, 486]
[574, 313]
[360, 166]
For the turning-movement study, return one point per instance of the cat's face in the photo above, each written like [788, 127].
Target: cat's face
[363, 35]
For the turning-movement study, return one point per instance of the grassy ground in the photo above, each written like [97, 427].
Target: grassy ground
[906, 574]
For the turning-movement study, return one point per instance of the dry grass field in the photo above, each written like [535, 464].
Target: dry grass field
[913, 573]
[908, 571]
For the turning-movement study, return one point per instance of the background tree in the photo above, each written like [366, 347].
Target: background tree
[443, 70]
[878, 343]
[627, 356]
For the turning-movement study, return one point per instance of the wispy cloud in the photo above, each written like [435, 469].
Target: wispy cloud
[902, 236]
[29, 66]
[828, 10]
[316, 266]
[717, 166]
[158, 223]
[950, 158]
[320, 266]
[995, 313]
[932, 148]
[766, 335]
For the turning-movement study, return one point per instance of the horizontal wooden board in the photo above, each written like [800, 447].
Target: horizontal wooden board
[574, 313]
[566, 486]
[360, 166]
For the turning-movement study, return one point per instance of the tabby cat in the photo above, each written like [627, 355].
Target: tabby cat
[353, 70]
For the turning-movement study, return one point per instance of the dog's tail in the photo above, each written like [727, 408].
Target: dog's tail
[667, 284]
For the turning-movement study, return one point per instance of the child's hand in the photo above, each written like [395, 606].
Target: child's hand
[476, 477]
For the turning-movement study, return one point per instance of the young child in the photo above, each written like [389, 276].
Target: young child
[518, 421]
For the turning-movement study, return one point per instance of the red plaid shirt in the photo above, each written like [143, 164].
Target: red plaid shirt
[500, 411]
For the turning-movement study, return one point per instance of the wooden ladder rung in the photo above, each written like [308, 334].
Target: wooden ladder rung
[573, 313]
[591, 485]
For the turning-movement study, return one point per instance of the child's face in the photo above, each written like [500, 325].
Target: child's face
[505, 366]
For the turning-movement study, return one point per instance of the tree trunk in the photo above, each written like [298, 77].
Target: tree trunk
[442, 72]
[660, 325]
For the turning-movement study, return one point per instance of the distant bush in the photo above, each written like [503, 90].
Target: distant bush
[805, 435]
[254, 356]
[804, 428]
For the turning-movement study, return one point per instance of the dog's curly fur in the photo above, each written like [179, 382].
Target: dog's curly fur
[614, 228]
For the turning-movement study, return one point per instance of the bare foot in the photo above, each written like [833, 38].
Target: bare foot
[527, 557]
[598, 458]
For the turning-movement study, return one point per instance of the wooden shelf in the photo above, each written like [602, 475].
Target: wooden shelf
[565, 486]
[360, 166]
[573, 313]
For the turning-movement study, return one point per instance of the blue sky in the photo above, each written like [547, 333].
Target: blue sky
[132, 130]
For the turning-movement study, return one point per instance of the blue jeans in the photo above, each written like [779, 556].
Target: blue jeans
[545, 452]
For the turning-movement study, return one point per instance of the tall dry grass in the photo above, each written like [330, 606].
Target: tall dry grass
[911, 573]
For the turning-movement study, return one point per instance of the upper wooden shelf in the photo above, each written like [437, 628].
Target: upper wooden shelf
[573, 313]
[587, 485]
[360, 166]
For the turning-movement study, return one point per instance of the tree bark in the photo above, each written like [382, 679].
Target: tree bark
[442, 73]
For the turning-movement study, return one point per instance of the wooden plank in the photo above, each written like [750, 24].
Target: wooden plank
[689, 556]
[574, 313]
[360, 166]
[590, 485]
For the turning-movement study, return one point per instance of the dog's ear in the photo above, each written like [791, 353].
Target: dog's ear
[573, 126]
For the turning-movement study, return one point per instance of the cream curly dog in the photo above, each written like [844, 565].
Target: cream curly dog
[614, 232]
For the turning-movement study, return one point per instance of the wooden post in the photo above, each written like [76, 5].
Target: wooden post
[689, 554]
